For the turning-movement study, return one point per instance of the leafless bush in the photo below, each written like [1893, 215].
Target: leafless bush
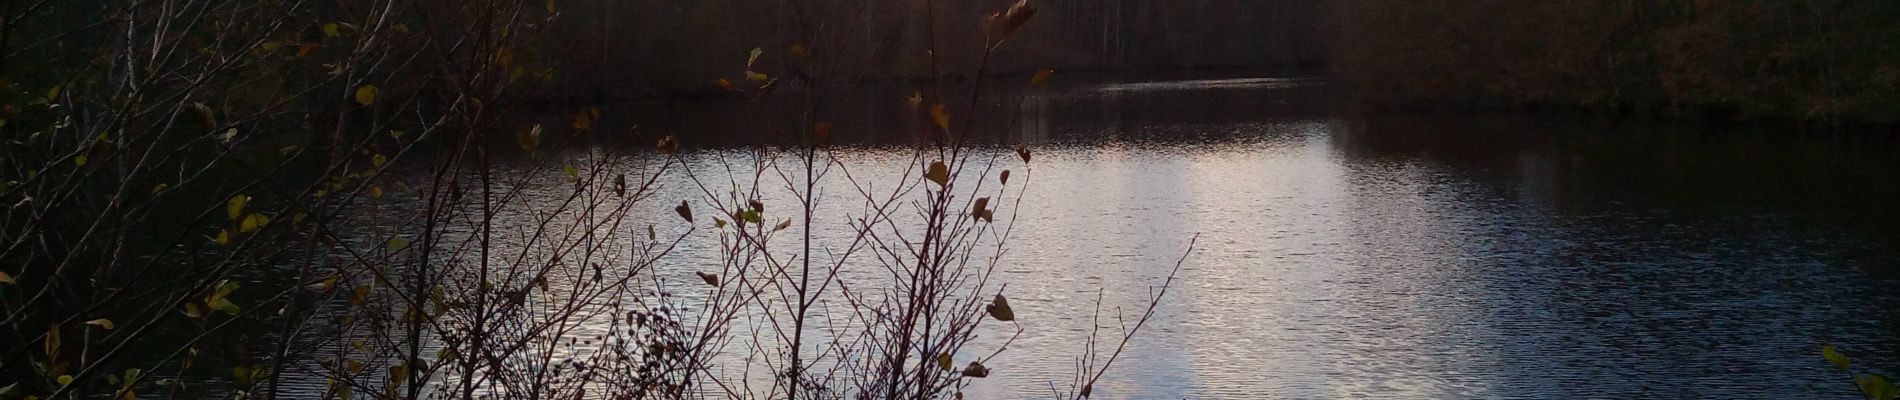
[356, 145]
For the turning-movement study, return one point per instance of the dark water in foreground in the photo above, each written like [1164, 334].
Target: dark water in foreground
[1436, 256]
[1415, 257]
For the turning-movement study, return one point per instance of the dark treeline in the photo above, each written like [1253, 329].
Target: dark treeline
[1828, 61]
[643, 47]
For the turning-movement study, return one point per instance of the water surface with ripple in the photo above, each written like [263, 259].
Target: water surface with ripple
[1425, 256]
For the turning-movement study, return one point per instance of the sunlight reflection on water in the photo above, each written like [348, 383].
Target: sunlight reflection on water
[1414, 258]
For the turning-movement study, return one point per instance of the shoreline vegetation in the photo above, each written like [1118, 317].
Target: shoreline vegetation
[1825, 63]
[308, 199]
[1815, 65]
[192, 186]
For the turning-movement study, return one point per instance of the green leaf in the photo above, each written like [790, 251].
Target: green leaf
[79, 160]
[225, 305]
[378, 161]
[573, 174]
[65, 380]
[226, 287]
[253, 222]
[398, 244]
[1835, 356]
[235, 207]
[943, 361]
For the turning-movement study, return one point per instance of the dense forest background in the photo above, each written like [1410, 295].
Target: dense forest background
[643, 47]
[1831, 61]
[1828, 61]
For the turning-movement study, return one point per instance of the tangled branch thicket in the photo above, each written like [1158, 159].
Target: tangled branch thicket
[164, 157]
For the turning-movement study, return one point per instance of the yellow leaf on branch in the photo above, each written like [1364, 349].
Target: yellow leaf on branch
[102, 323]
[940, 116]
[938, 173]
[366, 95]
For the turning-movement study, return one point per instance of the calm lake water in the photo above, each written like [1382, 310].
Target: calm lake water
[1414, 256]
[1448, 257]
